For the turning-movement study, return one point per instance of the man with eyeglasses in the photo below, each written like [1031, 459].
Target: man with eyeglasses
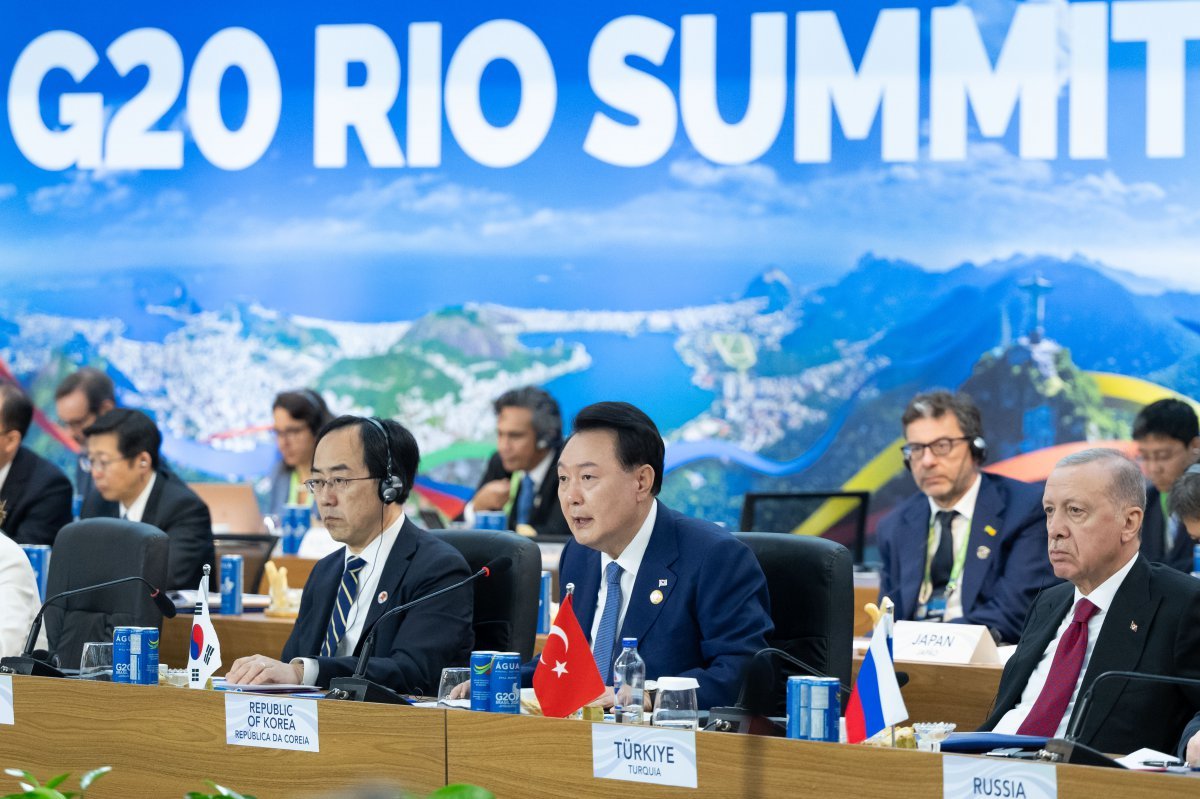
[362, 471]
[970, 547]
[1168, 441]
[80, 399]
[35, 493]
[131, 482]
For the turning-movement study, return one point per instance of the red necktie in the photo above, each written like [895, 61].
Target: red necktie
[1047, 712]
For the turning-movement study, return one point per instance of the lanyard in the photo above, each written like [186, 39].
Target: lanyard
[296, 494]
[960, 559]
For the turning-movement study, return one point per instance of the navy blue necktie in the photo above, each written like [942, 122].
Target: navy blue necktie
[525, 501]
[606, 635]
[341, 609]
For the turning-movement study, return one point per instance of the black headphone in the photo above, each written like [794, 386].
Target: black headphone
[977, 446]
[391, 486]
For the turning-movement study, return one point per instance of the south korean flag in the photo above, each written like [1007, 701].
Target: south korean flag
[204, 655]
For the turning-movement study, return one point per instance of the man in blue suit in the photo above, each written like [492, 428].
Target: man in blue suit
[970, 547]
[362, 471]
[692, 594]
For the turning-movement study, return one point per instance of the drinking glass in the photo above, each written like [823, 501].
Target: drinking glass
[451, 679]
[675, 703]
[96, 663]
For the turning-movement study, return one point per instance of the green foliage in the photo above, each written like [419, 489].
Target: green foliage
[32, 789]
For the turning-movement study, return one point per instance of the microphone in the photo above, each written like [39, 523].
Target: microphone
[1085, 701]
[358, 688]
[25, 663]
[751, 714]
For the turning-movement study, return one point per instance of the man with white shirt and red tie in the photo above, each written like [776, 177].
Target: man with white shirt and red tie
[1117, 612]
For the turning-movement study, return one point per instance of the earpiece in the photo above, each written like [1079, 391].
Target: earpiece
[391, 486]
[979, 449]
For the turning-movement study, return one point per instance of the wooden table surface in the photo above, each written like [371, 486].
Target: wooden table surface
[163, 742]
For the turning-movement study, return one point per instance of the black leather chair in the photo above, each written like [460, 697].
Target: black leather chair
[255, 549]
[95, 551]
[506, 606]
[811, 583]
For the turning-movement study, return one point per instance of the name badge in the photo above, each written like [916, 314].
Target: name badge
[980, 777]
[644, 754]
[6, 699]
[271, 722]
[932, 642]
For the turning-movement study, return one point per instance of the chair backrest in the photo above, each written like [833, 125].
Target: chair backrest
[232, 506]
[506, 606]
[843, 515]
[811, 582]
[255, 549]
[95, 551]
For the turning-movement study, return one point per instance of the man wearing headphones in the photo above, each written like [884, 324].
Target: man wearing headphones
[521, 477]
[970, 547]
[362, 471]
[130, 482]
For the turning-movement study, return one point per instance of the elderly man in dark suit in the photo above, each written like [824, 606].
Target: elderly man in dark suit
[132, 483]
[362, 471]
[36, 494]
[1117, 612]
[969, 547]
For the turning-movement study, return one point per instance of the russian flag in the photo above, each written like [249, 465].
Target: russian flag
[875, 703]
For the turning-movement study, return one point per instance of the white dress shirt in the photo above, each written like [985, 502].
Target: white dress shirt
[376, 555]
[1102, 598]
[18, 598]
[135, 511]
[960, 531]
[4, 470]
[630, 560]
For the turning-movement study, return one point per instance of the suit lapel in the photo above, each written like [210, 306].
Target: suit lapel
[989, 513]
[18, 475]
[150, 514]
[324, 589]
[654, 575]
[1120, 643]
[1034, 641]
[587, 589]
[390, 578]
[915, 529]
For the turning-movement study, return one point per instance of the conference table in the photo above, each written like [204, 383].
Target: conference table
[162, 742]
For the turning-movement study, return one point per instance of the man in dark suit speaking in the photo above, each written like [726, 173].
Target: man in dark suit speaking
[520, 478]
[1117, 612]
[692, 594]
[131, 482]
[362, 472]
[969, 547]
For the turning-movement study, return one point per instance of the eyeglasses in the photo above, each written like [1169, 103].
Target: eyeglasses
[941, 448]
[90, 464]
[335, 484]
[290, 432]
[78, 424]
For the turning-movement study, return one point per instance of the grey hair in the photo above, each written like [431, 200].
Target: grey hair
[1185, 494]
[1126, 486]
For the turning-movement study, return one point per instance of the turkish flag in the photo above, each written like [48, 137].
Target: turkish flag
[566, 677]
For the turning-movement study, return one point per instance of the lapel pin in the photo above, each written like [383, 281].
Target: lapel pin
[982, 553]
[383, 595]
[656, 597]
[1133, 626]
[990, 530]
[662, 582]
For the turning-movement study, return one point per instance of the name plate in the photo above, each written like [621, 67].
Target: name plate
[933, 642]
[6, 699]
[644, 754]
[271, 722]
[988, 778]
